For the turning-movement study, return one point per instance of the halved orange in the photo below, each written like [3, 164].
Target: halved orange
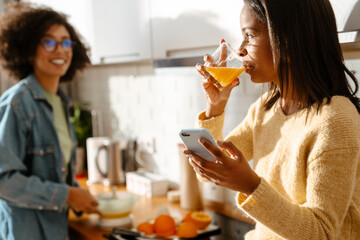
[199, 218]
[187, 230]
[146, 228]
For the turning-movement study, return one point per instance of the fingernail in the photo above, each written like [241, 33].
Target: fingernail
[201, 140]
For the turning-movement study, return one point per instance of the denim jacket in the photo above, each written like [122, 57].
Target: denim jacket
[33, 188]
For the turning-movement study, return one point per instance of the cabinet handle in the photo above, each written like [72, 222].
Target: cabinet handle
[119, 58]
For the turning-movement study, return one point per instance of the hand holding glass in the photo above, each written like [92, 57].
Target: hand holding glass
[224, 67]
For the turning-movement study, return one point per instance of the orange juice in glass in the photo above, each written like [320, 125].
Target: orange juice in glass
[224, 68]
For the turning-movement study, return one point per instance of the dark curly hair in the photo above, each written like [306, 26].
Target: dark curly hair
[21, 28]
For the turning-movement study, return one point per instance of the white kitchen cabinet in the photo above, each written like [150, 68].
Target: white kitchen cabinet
[188, 28]
[122, 30]
[116, 30]
[347, 13]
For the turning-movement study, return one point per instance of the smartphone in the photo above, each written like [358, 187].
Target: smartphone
[190, 138]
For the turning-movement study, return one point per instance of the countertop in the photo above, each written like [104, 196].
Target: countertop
[85, 227]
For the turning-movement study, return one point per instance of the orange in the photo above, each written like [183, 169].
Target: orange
[146, 228]
[187, 230]
[164, 226]
[199, 218]
[166, 234]
[187, 217]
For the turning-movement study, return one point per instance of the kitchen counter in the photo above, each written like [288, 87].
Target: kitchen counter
[85, 227]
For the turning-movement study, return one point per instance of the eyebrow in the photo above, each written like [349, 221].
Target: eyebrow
[51, 36]
[251, 28]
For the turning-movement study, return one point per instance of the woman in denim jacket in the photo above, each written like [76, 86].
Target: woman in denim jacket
[39, 48]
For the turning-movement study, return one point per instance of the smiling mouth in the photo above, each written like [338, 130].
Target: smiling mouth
[58, 61]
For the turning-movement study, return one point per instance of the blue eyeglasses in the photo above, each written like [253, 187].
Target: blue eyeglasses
[50, 45]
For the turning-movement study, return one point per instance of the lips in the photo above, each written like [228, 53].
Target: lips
[58, 61]
[249, 67]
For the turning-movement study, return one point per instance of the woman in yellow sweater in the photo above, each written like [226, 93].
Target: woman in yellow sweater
[303, 134]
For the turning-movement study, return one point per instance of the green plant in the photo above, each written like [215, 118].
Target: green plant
[81, 120]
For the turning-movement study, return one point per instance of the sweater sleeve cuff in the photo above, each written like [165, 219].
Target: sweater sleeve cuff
[263, 202]
[214, 124]
[260, 194]
[209, 123]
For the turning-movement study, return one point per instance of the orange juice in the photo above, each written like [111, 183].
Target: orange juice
[115, 215]
[225, 75]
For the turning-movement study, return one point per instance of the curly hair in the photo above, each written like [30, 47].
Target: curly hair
[21, 28]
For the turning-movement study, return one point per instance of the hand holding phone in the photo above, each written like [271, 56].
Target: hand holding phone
[191, 137]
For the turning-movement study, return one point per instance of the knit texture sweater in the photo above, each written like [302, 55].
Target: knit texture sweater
[309, 168]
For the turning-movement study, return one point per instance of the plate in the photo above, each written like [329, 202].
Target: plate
[211, 230]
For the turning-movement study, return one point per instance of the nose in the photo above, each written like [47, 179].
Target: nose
[242, 52]
[59, 48]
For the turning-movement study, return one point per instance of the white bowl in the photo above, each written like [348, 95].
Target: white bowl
[117, 206]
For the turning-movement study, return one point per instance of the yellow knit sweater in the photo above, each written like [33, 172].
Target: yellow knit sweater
[309, 169]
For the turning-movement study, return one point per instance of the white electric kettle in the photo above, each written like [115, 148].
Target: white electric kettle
[104, 161]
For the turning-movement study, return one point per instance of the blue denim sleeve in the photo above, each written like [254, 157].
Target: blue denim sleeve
[17, 188]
